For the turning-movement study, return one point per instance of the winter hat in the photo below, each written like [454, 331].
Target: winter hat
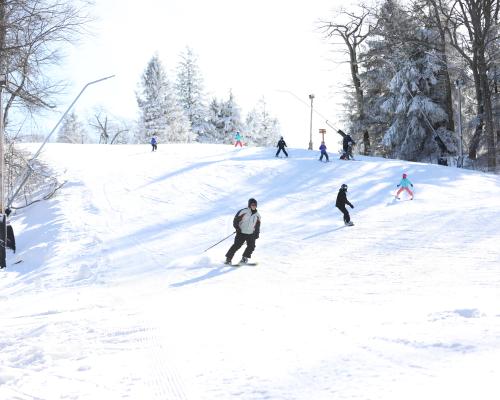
[404, 175]
[252, 201]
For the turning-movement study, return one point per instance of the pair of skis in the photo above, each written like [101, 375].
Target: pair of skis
[251, 264]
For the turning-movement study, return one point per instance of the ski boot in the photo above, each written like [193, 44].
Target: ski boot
[228, 261]
[244, 260]
[349, 223]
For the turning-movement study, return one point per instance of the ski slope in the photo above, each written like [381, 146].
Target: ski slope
[116, 299]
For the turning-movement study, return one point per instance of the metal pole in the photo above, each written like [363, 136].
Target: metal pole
[311, 96]
[458, 82]
[29, 169]
[3, 221]
[2, 149]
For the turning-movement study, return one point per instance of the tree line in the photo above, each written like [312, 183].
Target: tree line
[408, 62]
[176, 110]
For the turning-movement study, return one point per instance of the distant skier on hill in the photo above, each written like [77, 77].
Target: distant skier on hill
[237, 139]
[154, 143]
[403, 185]
[322, 148]
[347, 145]
[247, 225]
[341, 203]
[281, 147]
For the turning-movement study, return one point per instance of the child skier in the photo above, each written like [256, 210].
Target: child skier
[323, 152]
[154, 143]
[247, 225]
[237, 139]
[341, 202]
[281, 147]
[404, 183]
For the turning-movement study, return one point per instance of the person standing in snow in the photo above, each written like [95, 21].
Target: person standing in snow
[347, 145]
[281, 147]
[237, 139]
[404, 185]
[154, 143]
[247, 225]
[323, 152]
[341, 203]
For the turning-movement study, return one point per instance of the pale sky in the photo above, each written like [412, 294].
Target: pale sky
[254, 48]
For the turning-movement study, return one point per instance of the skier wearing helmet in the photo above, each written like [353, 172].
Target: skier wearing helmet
[404, 185]
[341, 203]
[247, 225]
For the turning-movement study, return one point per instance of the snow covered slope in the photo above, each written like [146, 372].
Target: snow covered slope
[116, 298]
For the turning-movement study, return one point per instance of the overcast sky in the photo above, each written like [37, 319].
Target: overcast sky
[255, 48]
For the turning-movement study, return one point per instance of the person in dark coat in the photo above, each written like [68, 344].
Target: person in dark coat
[341, 203]
[154, 143]
[347, 144]
[247, 225]
[281, 147]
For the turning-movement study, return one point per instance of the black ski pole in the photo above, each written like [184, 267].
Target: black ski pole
[220, 241]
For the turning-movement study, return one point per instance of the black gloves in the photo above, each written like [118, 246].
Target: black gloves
[352, 206]
[397, 185]
[256, 235]
[411, 185]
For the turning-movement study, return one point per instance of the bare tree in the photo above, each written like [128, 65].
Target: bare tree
[109, 130]
[31, 35]
[353, 29]
[471, 27]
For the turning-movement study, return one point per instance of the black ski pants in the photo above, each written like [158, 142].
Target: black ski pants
[347, 217]
[155, 147]
[279, 150]
[239, 240]
[323, 153]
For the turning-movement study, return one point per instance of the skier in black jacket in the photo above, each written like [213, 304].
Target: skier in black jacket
[281, 146]
[341, 202]
[347, 145]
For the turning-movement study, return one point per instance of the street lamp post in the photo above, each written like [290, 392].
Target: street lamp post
[458, 84]
[311, 97]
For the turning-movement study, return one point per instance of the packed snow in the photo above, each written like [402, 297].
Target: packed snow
[113, 296]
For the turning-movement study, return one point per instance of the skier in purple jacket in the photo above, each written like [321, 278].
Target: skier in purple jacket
[323, 152]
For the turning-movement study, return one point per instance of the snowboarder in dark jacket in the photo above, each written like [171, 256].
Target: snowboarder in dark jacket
[281, 147]
[341, 203]
[247, 225]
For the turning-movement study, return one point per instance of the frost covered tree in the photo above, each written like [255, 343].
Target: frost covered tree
[189, 90]
[401, 80]
[72, 130]
[224, 120]
[261, 128]
[160, 113]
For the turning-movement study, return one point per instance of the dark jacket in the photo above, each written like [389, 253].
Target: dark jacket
[345, 142]
[342, 199]
[281, 144]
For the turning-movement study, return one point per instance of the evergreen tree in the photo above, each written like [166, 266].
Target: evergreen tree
[189, 89]
[161, 114]
[403, 104]
[262, 129]
[224, 120]
[72, 130]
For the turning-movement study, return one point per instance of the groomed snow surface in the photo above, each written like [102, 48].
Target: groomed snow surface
[115, 297]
